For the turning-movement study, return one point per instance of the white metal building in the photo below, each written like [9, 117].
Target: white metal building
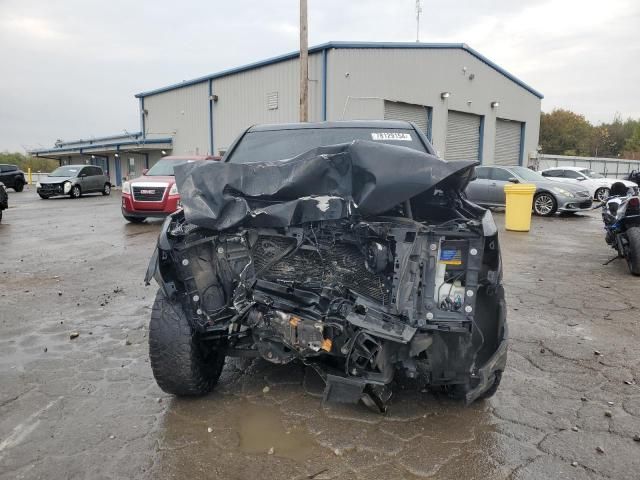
[467, 105]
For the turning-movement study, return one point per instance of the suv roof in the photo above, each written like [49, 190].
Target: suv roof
[334, 124]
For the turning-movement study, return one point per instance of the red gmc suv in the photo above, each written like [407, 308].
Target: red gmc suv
[155, 194]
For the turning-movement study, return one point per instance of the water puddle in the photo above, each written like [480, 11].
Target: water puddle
[261, 430]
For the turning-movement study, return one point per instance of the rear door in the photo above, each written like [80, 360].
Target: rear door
[571, 176]
[97, 179]
[499, 178]
[84, 179]
[554, 174]
[478, 190]
[9, 175]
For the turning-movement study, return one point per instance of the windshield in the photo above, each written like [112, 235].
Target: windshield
[528, 175]
[164, 168]
[66, 171]
[591, 174]
[266, 146]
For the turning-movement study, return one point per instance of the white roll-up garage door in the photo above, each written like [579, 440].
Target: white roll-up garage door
[463, 136]
[508, 141]
[408, 112]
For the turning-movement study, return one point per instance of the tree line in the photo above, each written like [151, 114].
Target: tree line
[25, 161]
[563, 132]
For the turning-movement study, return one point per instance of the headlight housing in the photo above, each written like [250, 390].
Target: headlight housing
[126, 188]
[489, 228]
[173, 190]
[38, 185]
[66, 187]
[564, 192]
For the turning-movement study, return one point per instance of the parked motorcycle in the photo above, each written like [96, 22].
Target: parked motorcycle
[621, 216]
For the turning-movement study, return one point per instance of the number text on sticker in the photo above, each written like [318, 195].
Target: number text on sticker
[403, 137]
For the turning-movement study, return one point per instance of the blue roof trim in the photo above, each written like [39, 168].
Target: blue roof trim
[153, 141]
[102, 139]
[343, 45]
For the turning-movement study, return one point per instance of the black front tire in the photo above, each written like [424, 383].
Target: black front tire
[180, 362]
[633, 252]
[75, 192]
[19, 186]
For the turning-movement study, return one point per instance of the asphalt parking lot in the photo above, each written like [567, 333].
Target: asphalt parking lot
[88, 407]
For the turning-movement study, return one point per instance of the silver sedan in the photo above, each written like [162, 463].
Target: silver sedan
[551, 196]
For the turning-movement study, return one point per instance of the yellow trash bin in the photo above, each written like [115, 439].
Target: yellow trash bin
[519, 202]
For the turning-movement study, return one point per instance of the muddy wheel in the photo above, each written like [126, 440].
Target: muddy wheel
[75, 192]
[133, 219]
[106, 190]
[633, 253]
[601, 194]
[19, 186]
[179, 362]
[544, 204]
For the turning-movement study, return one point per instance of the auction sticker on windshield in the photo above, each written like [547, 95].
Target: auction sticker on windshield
[403, 137]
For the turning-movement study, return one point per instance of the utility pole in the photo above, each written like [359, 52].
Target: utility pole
[418, 12]
[304, 63]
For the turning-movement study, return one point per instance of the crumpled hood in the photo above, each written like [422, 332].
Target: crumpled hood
[56, 179]
[325, 183]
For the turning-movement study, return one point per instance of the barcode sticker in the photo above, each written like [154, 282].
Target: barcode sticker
[381, 136]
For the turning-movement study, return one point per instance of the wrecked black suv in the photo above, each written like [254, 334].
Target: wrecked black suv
[357, 255]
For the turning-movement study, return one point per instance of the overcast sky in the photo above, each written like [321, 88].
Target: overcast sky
[70, 68]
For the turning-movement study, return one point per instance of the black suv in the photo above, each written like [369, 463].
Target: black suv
[348, 246]
[12, 177]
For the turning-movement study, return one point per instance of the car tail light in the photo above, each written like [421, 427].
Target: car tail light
[634, 202]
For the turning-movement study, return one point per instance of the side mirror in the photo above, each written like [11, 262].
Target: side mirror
[144, 171]
[82, 175]
[514, 180]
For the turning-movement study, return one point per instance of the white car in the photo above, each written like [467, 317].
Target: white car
[598, 185]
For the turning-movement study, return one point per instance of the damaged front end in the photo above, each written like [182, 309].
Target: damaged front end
[359, 293]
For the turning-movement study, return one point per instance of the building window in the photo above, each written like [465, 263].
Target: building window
[272, 101]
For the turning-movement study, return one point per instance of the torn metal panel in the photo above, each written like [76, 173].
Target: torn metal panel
[326, 183]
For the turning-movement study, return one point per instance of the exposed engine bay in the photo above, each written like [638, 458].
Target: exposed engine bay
[357, 290]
